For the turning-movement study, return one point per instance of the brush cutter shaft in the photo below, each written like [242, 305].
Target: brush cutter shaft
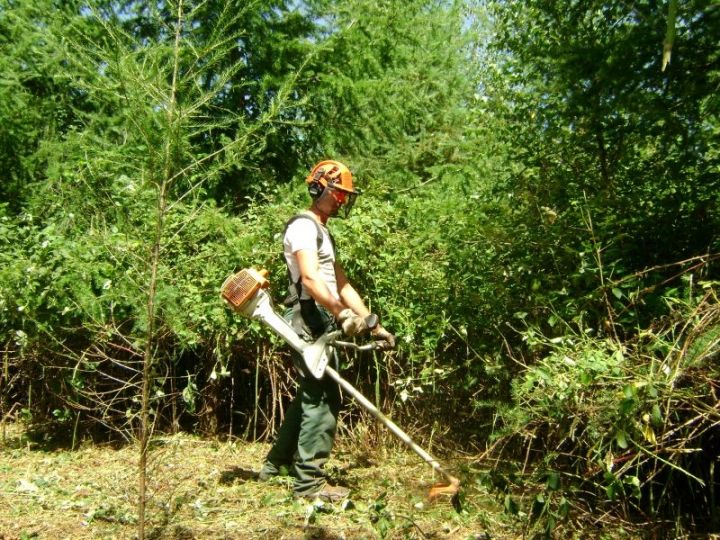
[264, 311]
[314, 355]
[399, 433]
[354, 346]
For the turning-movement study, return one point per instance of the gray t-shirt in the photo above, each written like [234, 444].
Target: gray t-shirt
[302, 234]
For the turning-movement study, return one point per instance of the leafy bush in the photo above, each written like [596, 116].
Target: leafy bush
[633, 423]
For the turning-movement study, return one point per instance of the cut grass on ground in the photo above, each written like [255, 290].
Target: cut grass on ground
[200, 488]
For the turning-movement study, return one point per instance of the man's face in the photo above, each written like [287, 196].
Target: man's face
[332, 200]
[339, 196]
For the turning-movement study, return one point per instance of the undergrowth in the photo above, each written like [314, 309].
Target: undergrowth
[628, 428]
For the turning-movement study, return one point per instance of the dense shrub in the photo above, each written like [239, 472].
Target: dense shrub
[627, 423]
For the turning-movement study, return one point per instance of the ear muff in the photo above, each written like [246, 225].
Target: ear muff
[315, 188]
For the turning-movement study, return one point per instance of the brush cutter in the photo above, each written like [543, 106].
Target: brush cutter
[246, 294]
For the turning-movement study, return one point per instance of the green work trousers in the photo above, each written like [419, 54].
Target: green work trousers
[306, 435]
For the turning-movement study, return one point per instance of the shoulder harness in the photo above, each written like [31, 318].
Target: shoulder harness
[292, 298]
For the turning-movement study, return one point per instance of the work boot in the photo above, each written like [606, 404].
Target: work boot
[270, 471]
[327, 493]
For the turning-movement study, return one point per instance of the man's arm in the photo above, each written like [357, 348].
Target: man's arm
[351, 299]
[348, 295]
[313, 283]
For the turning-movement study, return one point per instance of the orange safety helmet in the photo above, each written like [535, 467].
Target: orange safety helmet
[337, 176]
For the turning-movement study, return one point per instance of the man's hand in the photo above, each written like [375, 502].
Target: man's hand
[352, 324]
[384, 340]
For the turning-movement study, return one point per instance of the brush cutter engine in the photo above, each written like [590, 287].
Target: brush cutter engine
[245, 292]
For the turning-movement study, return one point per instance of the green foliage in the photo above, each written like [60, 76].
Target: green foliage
[374, 82]
[538, 224]
[37, 103]
[628, 421]
[77, 277]
[86, 231]
[602, 131]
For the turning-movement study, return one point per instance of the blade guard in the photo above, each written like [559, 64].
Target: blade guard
[315, 355]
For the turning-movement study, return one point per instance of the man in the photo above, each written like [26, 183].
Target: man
[321, 297]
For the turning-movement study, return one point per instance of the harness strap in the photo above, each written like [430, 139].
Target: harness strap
[310, 312]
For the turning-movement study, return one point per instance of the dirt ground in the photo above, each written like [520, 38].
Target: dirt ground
[201, 489]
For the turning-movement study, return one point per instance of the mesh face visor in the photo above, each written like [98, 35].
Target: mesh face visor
[347, 199]
[349, 203]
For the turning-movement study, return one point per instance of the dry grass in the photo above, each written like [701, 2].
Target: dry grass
[207, 489]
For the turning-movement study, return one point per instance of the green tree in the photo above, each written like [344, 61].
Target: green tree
[606, 222]
[118, 209]
[37, 101]
[615, 154]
